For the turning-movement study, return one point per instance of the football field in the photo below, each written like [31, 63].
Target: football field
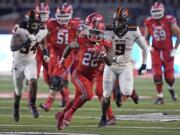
[144, 118]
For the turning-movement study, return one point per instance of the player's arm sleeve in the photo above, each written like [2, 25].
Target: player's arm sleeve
[143, 45]
[67, 50]
[176, 31]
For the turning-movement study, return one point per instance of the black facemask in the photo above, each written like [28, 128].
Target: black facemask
[120, 26]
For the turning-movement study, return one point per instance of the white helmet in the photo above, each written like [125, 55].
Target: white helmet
[157, 10]
[43, 10]
[64, 13]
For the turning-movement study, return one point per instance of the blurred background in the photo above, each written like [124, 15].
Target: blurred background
[12, 12]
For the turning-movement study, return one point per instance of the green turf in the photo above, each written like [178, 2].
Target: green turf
[85, 120]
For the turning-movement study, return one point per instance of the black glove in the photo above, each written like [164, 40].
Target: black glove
[142, 69]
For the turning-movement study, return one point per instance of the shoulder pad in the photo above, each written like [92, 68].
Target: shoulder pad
[109, 27]
[132, 28]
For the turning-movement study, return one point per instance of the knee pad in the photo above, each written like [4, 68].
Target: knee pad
[158, 79]
[56, 83]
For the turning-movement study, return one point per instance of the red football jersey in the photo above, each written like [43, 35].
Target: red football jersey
[161, 31]
[60, 35]
[89, 60]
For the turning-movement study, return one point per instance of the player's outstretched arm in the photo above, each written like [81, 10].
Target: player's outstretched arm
[176, 31]
[143, 45]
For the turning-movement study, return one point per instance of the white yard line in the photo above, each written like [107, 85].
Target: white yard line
[116, 127]
[6, 95]
[99, 109]
[40, 133]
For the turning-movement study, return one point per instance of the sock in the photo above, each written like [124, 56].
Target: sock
[159, 88]
[17, 99]
[78, 102]
[65, 94]
[68, 106]
[49, 102]
[105, 106]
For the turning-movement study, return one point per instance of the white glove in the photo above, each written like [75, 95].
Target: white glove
[118, 59]
[46, 58]
[173, 52]
[150, 48]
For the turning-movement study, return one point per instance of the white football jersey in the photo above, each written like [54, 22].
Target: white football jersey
[28, 53]
[123, 46]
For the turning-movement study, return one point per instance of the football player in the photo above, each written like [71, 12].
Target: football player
[93, 50]
[60, 36]
[111, 120]
[123, 36]
[162, 27]
[42, 60]
[27, 36]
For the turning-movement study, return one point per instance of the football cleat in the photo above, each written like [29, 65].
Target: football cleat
[173, 94]
[159, 101]
[59, 118]
[111, 121]
[135, 97]
[34, 111]
[103, 122]
[44, 107]
[16, 115]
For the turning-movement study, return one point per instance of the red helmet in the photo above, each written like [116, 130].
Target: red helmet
[157, 10]
[43, 10]
[95, 27]
[64, 13]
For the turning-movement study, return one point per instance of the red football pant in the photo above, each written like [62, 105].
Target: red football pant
[161, 58]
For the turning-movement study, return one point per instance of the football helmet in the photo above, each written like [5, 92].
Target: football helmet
[64, 13]
[157, 10]
[33, 21]
[43, 10]
[95, 27]
[121, 20]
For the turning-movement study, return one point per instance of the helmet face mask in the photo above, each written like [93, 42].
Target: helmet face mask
[64, 13]
[44, 16]
[95, 35]
[33, 21]
[95, 27]
[157, 10]
[63, 18]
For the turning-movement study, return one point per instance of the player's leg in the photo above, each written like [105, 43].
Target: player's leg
[169, 75]
[108, 81]
[157, 75]
[55, 84]
[55, 87]
[30, 72]
[126, 76]
[65, 93]
[99, 92]
[18, 77]
[84, 93]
